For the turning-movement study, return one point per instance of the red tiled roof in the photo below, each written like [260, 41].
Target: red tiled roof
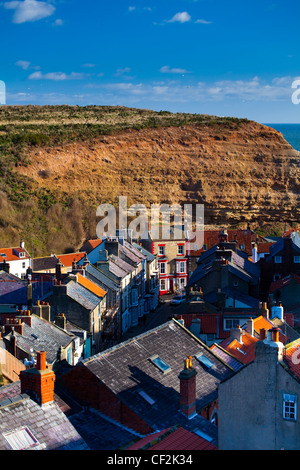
[283, 282]
[11, 254]
[289, 232]
[180, 439]
[67, 260]
[264, 247]
[91, 286]
[245, 351]
[94, 243]
[244, 237]
[292, 357]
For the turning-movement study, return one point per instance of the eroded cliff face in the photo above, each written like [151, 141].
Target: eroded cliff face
[244, 172]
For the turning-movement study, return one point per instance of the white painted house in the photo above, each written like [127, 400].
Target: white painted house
[17, 258]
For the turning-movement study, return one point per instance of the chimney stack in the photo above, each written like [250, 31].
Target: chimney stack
[236, 333]
[187, 379]
[38, 382]
[263, 310]
[250, 326]
[61, 321]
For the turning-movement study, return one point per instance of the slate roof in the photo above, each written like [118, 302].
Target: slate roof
[82, 295]
[149, 256]
[126, 368]
[13, 290]
[47, 337]
[128, 268]
[252, 302]
[48, 424]
[97, 276]
[228, 358]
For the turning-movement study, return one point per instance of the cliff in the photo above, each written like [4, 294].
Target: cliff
[240, 170]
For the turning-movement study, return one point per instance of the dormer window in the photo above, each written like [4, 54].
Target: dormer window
[22, 254]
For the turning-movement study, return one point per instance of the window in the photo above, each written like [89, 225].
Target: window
[21, 438]
[204, 360]
[278, 259]
[180, 249]
[182, 266]
[296, 259]
[229, 323]
[182, 283]
[163, 285]
[236, 283]
[146, 397]
[23, 264]
[161, 250]
[158, 362]
[290, 407]
[276, 277]
[162, 268]
[22, 254]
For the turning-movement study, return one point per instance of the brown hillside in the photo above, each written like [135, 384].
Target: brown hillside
[240, 173]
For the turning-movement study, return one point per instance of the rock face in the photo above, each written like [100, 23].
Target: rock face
[240, 173]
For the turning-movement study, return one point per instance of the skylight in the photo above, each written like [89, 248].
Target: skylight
[204, 360]
[21, 438]
[158, 362]
[146, 397]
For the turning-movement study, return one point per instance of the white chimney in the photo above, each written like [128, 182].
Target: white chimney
[22, 244]
[254, 253]
[277, 311]
[236, 333]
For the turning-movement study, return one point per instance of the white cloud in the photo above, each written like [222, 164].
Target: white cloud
[167, 69]
[181, 17]
[131, 8]
[58, 22]
[203, 21]
[56, 76]
[24, 64]
[29, 10]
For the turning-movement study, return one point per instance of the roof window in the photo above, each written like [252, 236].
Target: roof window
[21, 439]
[158, 362]
[204, 360]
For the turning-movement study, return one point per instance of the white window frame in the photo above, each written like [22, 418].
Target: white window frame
[161, 282]
[278, 259]
[182, 282]
[182, 267]
[161, 250]
[180, 249]
[289, 407]
[233, 323]
[162, 268]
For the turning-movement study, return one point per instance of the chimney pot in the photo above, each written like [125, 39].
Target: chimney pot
[41, 360]
[262, 334]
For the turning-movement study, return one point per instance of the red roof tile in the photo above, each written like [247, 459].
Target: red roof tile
[180, 439]
[12, 254]
[67, 260]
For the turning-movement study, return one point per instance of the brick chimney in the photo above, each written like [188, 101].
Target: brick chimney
[188, 389]
[38, 382]
[61, 321]
[13, 324]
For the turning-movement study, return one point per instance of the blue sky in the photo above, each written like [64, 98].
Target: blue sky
[232, 58]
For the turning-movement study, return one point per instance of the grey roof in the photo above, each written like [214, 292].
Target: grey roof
[128, 268]
[149, 256]
[125, 369]
[100, 432]
[48, 424]
[131, 246]
[129, 255]
[100, 277]
[45, 263]
[82, 295]
[228, 358]
[43, 335]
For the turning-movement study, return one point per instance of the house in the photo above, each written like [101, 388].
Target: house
[48, 264]
[148, 383]
[258, 406]
[283, 260]
[287, 291]
[16, 293]
[32, 416]
[10, 366]
[245, 241]
[224, 266]
[15, 260]
[172, 261]
[26, 333]
[82, 302]
[152, 279]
